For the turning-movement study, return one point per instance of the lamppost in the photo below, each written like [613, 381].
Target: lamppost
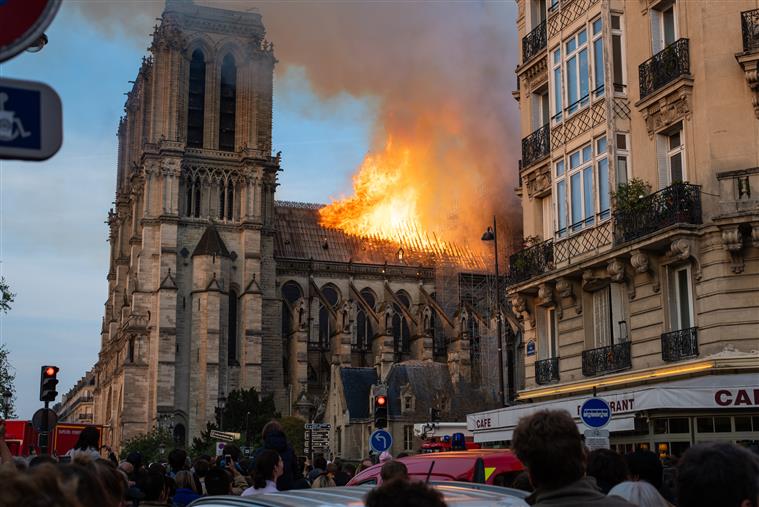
[7, 396]
[491, 234]
[222, 401]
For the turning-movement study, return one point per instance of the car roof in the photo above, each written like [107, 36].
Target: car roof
[454, 494]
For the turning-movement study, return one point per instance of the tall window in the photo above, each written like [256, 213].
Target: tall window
[226, 200]
[232, 326]
[364, 328]
[196, 100]
[623, 159]
[607, 318]
[670, 151]
[475, 349]
[540, 109]
[618, 66]
[558, 106]
[548, 345]
[602, 173]
[681, 300]
[227, 104]
[401, 331]
[326, 326]
[577, 70]
[290, 294]
[192, 197]
[581, 188]
[598, 57]
[561, 199]
[408, 437]
[663, 26]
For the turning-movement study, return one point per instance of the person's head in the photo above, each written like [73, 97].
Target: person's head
[269, 467]
[184, 479]
[350, 469]
[177, 459]
[201, 467]
[88, 438]
[718, 474]
[640, 493]
[153, 485]
[233, 451]
[271, 427]
[645, 466]
[320, 463]
[157, 468]
[218, 481]
[608, 468]
[114, 482]
[84, 481]
[400, 493]
[135, 458]
[42, 458]
[41, 486]
[550, 446]
[393, 469]
[385, 456]
[126, 467]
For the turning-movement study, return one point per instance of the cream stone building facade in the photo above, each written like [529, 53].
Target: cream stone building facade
[77, 405]
[651, 300]
[215, 286]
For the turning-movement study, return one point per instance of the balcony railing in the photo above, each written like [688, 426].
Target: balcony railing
[679, 203]
[536, 146]
[547, 371]
[606, 359]
[530, 262]
[750, 27]
[664, 67]
[680, 344]
[534, 41]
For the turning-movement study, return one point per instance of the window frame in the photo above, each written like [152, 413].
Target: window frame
[408, 437]
[675, 297]
[620, 89]
[664, 154]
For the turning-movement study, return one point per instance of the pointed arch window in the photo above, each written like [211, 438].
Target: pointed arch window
[232, 326]
[475, 352]
[401, 331]
[226, 200]
[196, 198]
[326, 326]
[291, 292]
[227, 104]
[196, 100]
[364, 329]
[192, 197]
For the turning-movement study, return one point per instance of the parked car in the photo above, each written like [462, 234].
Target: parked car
[456, 494]
[484, 466]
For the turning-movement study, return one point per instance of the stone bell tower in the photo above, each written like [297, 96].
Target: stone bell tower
[192, 271]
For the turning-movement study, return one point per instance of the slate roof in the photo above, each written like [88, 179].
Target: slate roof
[211, 244]
[357, 384]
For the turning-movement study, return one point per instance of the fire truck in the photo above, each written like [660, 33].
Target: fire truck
[23, 439]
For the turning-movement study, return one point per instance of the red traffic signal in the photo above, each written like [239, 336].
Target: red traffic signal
[380, 400]
[48, 381]
[50, 371]
[380, 411]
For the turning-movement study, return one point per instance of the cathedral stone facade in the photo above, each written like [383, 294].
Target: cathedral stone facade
[214, 286]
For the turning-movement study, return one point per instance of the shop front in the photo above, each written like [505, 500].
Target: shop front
[667, 417]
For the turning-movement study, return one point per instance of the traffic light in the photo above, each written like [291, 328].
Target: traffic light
[380, 411]
[48, 381]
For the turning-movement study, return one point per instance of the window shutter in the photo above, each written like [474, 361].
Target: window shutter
[617, 311]
[656, 34]
[661, 161]
[601, 317]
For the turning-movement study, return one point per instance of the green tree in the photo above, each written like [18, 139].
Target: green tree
[293, 427]
[149, 444]
[7, 377]
[246, 409]
[6, 296]
[204, 444]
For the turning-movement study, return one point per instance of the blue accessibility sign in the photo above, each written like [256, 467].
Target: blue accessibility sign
[30, 120]
[595, 413]
[380, 440]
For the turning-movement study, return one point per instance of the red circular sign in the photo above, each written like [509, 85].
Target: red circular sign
[22, 22]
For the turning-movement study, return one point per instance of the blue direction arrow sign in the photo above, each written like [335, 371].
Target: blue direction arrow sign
[380, 441]
[595, 413]
[30, 120]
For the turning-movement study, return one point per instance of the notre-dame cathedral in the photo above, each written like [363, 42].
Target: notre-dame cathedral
[214, 285]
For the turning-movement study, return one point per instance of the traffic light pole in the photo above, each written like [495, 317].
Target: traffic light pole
[44, 434]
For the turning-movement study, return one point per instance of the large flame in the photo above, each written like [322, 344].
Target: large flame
[386, 201]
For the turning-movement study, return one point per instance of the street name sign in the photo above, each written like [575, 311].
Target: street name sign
[380, 440]
[595, 413]
[225, 436]
[31, 125]
[317, 426]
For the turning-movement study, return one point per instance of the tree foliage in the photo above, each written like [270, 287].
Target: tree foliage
[293, 427]
[629, 196]
[6, 296]
[149, 445]
[7, 377]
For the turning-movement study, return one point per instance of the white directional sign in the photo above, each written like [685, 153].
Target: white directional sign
[317, 426]
[31, 126]
[225, 436]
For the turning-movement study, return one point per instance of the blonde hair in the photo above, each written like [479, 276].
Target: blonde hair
[184, 479]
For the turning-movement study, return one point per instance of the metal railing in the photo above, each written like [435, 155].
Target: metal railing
[606, 359]
[679, 203]
[534, 42]
[680, 344]
[664, 67]
[530, 262]
[536, 146]
[547, 370]
[750, 28]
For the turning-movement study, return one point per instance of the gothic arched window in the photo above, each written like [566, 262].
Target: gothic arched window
[196, 198]
[196, 100]
[475, 352]
[326, 328]
[232, 326]
[364, 329]
[227, 104]
[291, 292]
[401, 331]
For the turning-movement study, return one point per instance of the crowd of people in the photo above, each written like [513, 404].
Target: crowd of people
[559, 471]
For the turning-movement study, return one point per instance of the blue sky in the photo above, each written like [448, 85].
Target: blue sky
[53, 239]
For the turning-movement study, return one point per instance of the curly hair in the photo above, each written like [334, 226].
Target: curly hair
[550, 446]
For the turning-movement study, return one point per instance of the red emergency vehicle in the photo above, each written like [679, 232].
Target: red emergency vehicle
[65, 435]
[21, 437]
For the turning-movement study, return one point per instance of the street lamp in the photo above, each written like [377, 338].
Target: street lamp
[222, 401]
[491, 234]
[7, 396]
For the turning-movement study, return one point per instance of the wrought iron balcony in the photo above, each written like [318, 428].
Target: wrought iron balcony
[530, 262]
[606, 359]
[534, 42]
[679, 203]
[664, 67]
[547, 370]
[680, 344]
[536, 146]
[750, 27]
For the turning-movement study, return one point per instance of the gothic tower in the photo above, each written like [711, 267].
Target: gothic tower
[192, 311]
